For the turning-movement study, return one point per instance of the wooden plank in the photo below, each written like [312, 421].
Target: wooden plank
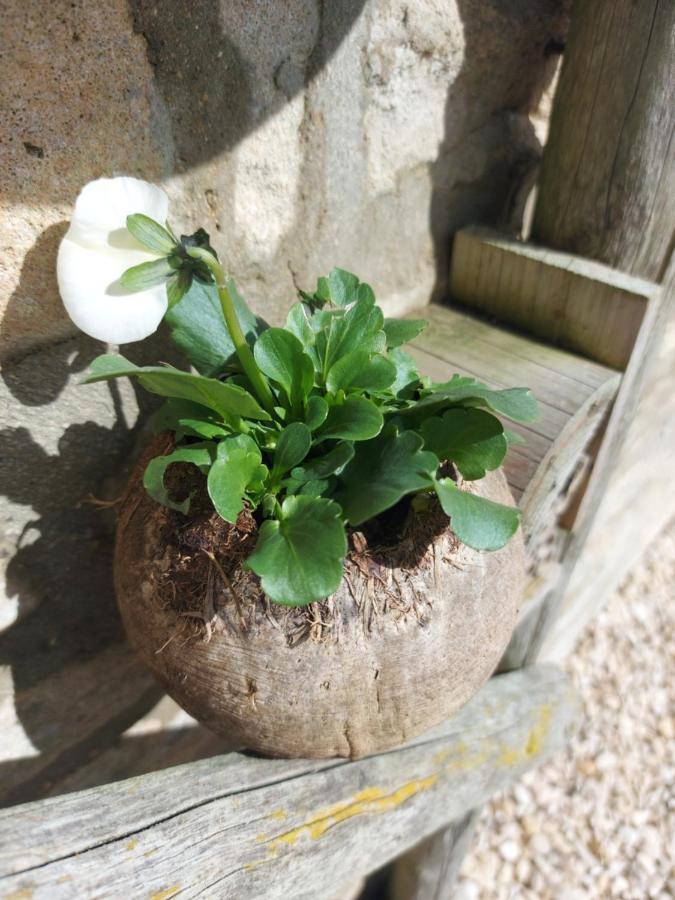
[487, 363]
[548, 426]
[631, 494]
[245, 827]
[74, 712]
[568, 300]
[558, 467]
[573, 407]
[606, 181]
[471, 326]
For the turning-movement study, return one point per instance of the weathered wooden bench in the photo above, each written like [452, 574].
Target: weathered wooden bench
[127, 798]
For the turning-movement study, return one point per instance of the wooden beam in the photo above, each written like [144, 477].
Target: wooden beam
[583, 305]
[631, 493]
[245, 827]
[606, 183]
[429, 870]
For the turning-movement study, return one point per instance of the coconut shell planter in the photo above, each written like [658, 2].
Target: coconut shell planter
[318, 554]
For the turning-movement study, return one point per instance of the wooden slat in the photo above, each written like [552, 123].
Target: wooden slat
[429, 870]
[574, 395]
[244, 827]
[631, 490]
[583, 305]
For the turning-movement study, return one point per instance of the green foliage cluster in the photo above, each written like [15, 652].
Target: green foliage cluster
[350, 429]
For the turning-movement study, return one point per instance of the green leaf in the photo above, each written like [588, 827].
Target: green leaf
[317, 410]
[317, 488]
[472, 438]
[171, 412]
[236, 466]
[382, 471]
[292, 447]
[299, 323]
[280, 356]
[514, 403]
[199, 330]
[360, 328]
[151, 234]
[512, 438]
[177, 286]
[356, 419]
[477, 522]
[146, 275]
[360, 370]
[320, 297]
[299, 556]
[365, 294]
[400, 331]
[200, 455]
[343, 287]
[323, 466]
[407, 377]
[226, 399]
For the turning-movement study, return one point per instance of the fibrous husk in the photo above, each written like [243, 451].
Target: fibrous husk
[411, 634]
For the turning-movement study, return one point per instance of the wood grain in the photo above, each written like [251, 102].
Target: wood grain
[573, 302]
[631, 494]
[428, 871]
[245, 827]
[606, 184]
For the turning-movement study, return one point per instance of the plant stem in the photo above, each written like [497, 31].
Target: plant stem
[244, 353]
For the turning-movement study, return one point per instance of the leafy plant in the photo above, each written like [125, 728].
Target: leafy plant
[316, 426]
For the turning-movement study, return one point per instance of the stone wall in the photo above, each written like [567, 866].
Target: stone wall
[302, 135]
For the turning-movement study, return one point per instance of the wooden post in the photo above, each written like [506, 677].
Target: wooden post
[606, 192]
[607, 183]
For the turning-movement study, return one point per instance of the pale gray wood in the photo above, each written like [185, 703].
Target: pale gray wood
[606, 183]
[632, 477]
[541, 501]
[429, 870]
[583, 305]
[244, 827]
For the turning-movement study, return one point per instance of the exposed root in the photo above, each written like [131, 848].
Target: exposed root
[386, 572]
[99, 503]
[229, 586]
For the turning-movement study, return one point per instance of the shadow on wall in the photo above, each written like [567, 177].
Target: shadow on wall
[76, 683]
[505, 41]
[212, 93]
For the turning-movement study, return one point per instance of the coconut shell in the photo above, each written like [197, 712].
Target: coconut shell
[397, 648]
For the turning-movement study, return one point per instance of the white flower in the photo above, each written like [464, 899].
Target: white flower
[97, 249]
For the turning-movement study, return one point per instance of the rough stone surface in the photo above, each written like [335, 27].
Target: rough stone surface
[303, 135]
[598, 822]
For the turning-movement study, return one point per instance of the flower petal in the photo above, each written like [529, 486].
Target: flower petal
[102, 208]
[97, 303]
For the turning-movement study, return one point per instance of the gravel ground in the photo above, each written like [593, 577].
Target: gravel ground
[600, 820]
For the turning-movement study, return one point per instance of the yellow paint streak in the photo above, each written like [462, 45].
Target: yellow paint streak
[512, 756]
[367, 802]
[21, 894]
[164, 895]
[131, 845]
[278, 814]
